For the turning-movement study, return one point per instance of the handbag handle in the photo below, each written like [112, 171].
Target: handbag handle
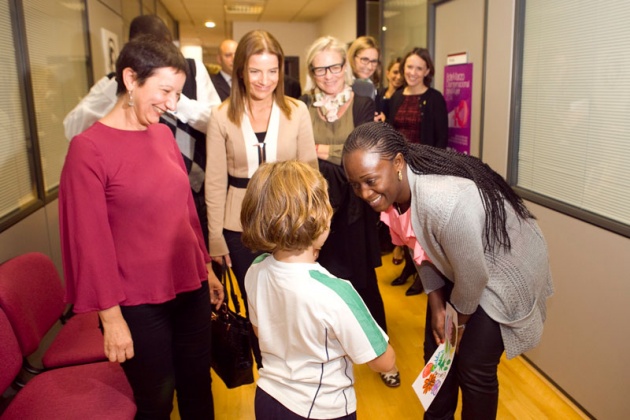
[226, 276]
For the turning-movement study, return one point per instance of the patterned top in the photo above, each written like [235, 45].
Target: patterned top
[408, 119]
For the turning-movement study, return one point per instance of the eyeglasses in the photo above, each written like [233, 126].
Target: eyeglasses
[366, 61]
[334, 69]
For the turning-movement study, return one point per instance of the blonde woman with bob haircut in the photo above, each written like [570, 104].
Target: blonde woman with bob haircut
[311, 325]
[256, 124]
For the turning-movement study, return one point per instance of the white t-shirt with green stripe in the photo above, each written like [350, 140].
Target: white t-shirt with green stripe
[312, 327]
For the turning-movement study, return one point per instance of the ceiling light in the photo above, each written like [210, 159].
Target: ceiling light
[210, 24]
[245, 7]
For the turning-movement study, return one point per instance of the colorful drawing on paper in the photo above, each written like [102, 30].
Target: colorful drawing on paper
[430, 380]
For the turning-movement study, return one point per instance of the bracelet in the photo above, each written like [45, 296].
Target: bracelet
[462, 326]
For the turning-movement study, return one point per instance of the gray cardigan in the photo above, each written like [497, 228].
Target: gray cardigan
[448, 219]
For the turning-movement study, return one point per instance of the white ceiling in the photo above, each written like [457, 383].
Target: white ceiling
[192, 14]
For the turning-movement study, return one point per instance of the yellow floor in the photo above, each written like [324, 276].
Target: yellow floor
[523, 394]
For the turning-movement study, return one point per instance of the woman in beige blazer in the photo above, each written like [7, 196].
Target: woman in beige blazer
[256, 124]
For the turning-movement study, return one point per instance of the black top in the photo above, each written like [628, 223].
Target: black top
[434, 124]
[292, 87]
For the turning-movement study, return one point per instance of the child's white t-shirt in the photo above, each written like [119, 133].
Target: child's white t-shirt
[312, 327]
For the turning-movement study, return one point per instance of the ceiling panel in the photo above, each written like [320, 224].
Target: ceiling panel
[192, 14]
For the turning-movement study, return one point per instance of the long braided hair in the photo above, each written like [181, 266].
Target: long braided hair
[383, 139]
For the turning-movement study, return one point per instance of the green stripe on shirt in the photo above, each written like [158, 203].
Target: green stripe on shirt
[347, 293]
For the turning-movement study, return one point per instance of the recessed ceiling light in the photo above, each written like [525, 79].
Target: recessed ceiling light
[210, 24]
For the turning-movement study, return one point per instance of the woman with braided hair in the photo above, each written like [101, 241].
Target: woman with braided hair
[488, 257]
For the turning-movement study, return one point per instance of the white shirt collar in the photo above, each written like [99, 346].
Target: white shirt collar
[227, 77]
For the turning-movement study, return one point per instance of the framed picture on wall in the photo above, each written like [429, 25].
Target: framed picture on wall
[110, 50]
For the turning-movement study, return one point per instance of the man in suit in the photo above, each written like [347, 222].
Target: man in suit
[222, 81]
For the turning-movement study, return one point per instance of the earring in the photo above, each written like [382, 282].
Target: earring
[130, 102]
[399, 176]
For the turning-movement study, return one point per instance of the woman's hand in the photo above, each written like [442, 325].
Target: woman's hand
[460, 333]
[217, 292]
[379, 117]
[116, 335]
[219, 260]
[323, 151]
[461, 321]
[438, 315]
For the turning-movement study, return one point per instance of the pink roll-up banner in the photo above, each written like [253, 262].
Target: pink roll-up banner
[458, 96]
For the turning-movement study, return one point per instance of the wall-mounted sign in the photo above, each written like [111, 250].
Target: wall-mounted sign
[458, 96]
[456, 58]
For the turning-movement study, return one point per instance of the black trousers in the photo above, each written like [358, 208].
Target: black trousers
[172, 352]
[474, 369]
[268, 408]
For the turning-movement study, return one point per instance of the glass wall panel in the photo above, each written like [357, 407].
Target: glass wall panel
[17, 184]
[57, 56]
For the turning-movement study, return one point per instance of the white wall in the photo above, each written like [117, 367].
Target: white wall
[341, 22]
[459, 28]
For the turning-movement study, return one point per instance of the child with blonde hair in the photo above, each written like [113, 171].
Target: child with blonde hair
[311, 326]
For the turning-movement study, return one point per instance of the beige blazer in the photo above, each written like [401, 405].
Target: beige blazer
[226, 154]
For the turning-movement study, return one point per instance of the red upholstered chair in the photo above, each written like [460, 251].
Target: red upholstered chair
[92, 391]
[31, 295]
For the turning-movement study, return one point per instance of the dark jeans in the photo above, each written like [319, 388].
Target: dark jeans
[474, 370]
[268, 408]
[172, 352]
[242, 258]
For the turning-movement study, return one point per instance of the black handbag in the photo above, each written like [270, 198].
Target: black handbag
[231, 349]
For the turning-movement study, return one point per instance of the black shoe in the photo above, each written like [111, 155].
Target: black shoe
[408, 270]
[415, 288]
[399, 281]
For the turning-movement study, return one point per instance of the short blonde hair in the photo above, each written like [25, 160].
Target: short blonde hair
[286, 207]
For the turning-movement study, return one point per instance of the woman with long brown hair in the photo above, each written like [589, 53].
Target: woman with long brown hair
[256, 124]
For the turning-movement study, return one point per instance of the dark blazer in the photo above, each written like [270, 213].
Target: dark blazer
[292, 87]
[221, 85]
[434, 125]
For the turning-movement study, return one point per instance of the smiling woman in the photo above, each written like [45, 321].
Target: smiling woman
[256, 124]
[123, 177]
[488, 257]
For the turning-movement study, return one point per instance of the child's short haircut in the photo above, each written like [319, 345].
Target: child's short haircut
[286, 207]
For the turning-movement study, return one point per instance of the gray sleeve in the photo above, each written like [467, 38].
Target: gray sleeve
[462, 240]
